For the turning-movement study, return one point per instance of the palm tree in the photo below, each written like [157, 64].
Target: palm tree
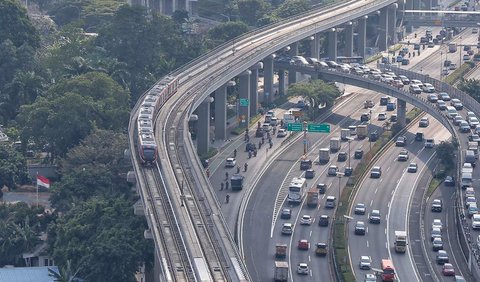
[64, 274]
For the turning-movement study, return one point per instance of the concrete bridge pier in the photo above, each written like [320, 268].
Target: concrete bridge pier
[268, 79]
[221, 111]
[203, 135]
[292, 75]
[362, 36]
[408, 6]
[349, 39]
[244, 94]
[401, 112]
[383, 30]
[254, 88]
[281, 82]
[332, 44]
[314, 46]
[392, 24]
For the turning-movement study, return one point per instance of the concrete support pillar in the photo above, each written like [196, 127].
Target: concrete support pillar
[408, 6]
[254, 88]
[383, 30]
[401, 112]
[244, 94]
[221, 113]
[268, 79]
[349, 39]
[203, 135]
[332, 44]
[392, 24]
[281, 82]
[315, 46]
[362, 36]
[292, 75]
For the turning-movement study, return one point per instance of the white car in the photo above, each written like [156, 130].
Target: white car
[282, 132]
[417, 82]
[369, 277]
[470, 200]
[382, 116]
[306, 220]
[303, 268]
[230, 162]
[365, 262]
[437, 223]
[428, 88]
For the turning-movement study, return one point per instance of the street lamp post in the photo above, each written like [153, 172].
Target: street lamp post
[339, 175]
[369, 123]
[305, 141]
[441, 65]
[349, 156]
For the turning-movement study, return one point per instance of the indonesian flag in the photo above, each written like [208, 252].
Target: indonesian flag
[43, 181]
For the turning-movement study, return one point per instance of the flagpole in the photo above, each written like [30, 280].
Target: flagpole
[37, 188]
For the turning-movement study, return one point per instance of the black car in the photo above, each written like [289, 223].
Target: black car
[449, 181]
[309, 173]
[419, 136]
[348, 171]
[324, 220]
[364, 117]
[358, 154]
[259, 133]
[342, 156]
[360, 228]
[401, 141]
[373, 136]
[305, 164]
[322, 188]
[286, 214]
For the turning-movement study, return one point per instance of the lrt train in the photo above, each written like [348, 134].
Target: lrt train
[152, 101]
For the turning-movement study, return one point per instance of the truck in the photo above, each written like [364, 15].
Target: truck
[391, 106]
[281, 271]
[236, 182]
[344, 134]
[335, 144]
[452, 47]
[474, 147]
[280, 250]
[324, 155]
[312, 198]
[400, 241]
[467, 168]
[362, 131]
[384, 100]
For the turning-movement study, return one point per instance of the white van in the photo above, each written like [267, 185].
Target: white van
[476, 221]
[451, 112]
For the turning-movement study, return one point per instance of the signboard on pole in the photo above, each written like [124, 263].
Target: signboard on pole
[320, 127]
[295, 127]
[244, 102]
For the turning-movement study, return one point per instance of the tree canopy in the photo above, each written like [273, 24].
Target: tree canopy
[471, 87]
[13, 167]
[227, 31]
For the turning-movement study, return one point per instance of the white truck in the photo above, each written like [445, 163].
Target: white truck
[467, 168]
[362, 131]
[474, 147]
[281, 271]
[324, 155]
[335, 144]
[400, 241]
[345, 134]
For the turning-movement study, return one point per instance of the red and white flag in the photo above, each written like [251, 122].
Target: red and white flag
[43, 181]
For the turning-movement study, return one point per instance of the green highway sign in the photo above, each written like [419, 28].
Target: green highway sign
[295, 127]
[244, 102]
[322, 127]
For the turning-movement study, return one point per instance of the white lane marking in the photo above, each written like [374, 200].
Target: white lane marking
[367, 244]
[376, 190]
[388, 168]
[310, 233]
[371, 203]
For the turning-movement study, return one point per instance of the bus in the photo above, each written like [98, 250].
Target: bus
[296, 190]
[388, 271]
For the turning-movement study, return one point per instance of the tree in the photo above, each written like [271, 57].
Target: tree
[15, 25]
[13, 167]
[446, 153]
[471, 87]
[103, 238]
[291, 7]
[251, 11]
[226, 31]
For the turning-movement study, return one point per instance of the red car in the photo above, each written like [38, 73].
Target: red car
[303, 244]
[448, 270]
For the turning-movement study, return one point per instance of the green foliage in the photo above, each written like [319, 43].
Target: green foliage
[13, 167]
[459, 73]
[15, 25]
[251, 11]
[291, 7]
[446, 154]
[471, 87]
[71, 110]
[102, 238]
[226, 31]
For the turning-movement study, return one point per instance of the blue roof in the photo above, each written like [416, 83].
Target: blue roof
[26, 274]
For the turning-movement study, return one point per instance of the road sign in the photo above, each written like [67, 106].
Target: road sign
[295, 127]
[322, 127]
[243, 102]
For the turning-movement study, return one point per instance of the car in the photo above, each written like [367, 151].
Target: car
[382, 116]
[404, 79]
[331, 202]
[250, 147]
[432, 98]
[360, 208]
[259, 132]
[470, 200]
[457, 104]
[478, 241]
[322, 188]
[444, 96]
[459, 278]
[437, 223]
[358, 154]
[449, 180]
[428, 88]
[466, 57]
[415, 89]
[365, 262]
[287, 229]
[416, 82]
[230, 162]
[370, 277]
[393, 117]
[473, 121]
[323, 220]
[375, 217]
[342, 156]
[412, 168]
[309, 173]
[401, 141]
[442, 257]
[448, 270]
[419, 136]
[424, 122]
[321, 249]
[464, 127]
[429, 143]
[365, 117]
[303, 269]
[403, 156]
[437, 205]
[436, 233]
[457, 120]
[282, 132]
[472, 209]
[368, 104]
[305, 164]
[286, 213]
[303, 244]
[441, 105]
[306, 220]
[348, 171]
[376, 172]
[474, 138]
[332, 170]
[437, 244]
[360, 228]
